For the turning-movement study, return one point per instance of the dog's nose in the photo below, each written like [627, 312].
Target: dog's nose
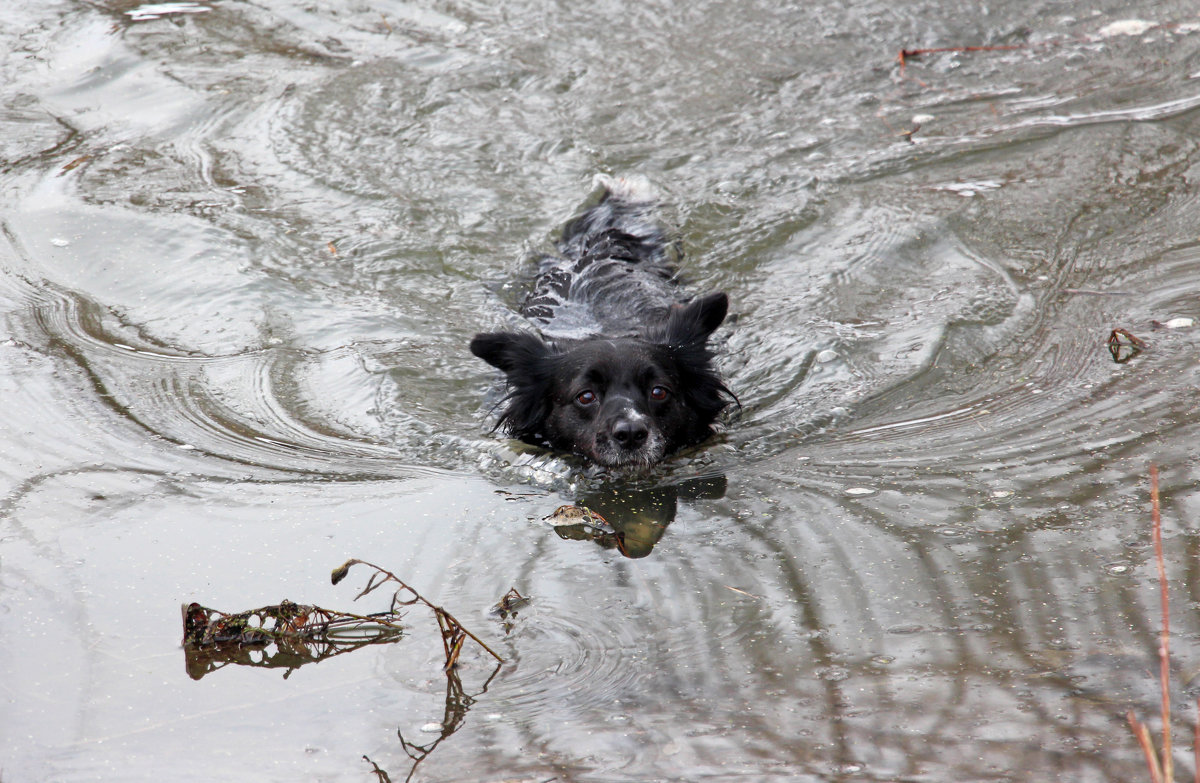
[630, 433]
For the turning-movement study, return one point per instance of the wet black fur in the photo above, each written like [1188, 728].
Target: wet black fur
[621, 372]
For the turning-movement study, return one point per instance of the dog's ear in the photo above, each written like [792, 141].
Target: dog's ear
[693, 322]
[509, 350]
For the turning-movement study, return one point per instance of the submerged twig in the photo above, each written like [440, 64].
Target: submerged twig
[909, 54]
[1092, 292]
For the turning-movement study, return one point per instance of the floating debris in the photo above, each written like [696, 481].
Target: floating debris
[859, 491]
[743, 592]
[205, 627]
[1124, 346]
[289, 635]
[286, 635]
[75, 163]
[150, 11]
[509, 604]
[1126, 27]
[580, 523]
[911, 54]
[575, 515]
[506, 610]
[1174, 323]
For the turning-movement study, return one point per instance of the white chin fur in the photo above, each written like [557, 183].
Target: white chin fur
[609, 456]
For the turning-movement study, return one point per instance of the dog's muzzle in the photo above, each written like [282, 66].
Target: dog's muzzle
[628, 437]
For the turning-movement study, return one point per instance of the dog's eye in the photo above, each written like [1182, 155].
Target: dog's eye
[586, 397]
[659, 393]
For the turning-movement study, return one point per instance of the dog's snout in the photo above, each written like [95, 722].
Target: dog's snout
[630, 433]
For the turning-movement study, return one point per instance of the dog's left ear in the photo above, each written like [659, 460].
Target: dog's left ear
[692, 323]
[509, 350]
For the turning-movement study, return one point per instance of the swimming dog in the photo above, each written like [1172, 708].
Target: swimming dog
[621, 372]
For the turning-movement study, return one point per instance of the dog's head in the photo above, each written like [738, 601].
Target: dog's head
[627, 401]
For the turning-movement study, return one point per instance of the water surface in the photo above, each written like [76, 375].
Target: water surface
[245, 246]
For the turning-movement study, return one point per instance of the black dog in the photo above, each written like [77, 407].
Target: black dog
[622, 373]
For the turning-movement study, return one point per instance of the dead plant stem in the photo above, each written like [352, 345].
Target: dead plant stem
[1164, 645]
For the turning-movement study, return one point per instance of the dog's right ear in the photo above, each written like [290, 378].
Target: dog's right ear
[692, 323]
[509, 350]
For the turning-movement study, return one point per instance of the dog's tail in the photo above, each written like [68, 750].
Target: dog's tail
[621, 225]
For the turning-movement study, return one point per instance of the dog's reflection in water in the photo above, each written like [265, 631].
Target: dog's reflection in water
[630, 519]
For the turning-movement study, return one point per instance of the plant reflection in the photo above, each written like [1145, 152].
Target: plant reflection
[458, 704]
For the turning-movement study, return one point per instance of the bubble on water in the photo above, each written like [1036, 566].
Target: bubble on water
[859, 491]
[827, 356]
[60, 242]
[1117, 569]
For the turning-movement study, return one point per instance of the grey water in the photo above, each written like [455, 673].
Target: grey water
[246, 243]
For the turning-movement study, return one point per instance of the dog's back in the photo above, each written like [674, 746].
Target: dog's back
[615, 274]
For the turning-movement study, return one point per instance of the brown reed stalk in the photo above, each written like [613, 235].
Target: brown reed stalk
[1142, 734]
[1164, 644]
[452, 633]
[1161, 771]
